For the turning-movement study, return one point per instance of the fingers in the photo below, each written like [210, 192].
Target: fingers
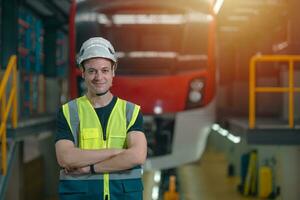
[78, 171]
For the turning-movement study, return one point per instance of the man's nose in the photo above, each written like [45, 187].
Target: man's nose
[98, 74]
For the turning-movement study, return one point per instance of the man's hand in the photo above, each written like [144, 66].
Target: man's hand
[134, 155]
[69, 156]
[78, 171]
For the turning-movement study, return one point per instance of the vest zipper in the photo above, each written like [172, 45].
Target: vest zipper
[104, 136]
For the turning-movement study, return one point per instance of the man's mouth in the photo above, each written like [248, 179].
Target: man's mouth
[98, 84]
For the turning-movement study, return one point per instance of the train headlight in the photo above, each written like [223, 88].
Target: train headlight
[195, 96]
[197, 84]
[157, 109]
[195, 93]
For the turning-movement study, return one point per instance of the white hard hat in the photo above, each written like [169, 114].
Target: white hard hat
[96, 47]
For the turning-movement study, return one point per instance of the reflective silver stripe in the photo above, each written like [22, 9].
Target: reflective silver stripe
[74, 120]
[129, 112]
[64, 176]
[127, 174]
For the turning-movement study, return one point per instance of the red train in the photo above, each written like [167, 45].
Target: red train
[166, 64]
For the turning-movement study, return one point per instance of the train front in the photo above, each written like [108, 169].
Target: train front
[166, 65]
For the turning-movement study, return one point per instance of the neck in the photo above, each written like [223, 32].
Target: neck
[99, 101]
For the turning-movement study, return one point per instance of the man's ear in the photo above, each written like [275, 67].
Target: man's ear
[114, 69]
[82, 72]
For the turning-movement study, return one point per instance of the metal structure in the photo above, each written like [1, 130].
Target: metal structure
[253, 89]
[7, 106]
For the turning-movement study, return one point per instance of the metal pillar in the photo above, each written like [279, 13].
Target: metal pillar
[9, 30]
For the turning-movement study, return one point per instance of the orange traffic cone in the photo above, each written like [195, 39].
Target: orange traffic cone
[171, 194]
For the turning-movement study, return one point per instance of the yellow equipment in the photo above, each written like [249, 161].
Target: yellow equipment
[265, 182]
[171, 194]
[250, 181]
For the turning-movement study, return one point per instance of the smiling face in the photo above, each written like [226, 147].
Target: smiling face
[98, 75]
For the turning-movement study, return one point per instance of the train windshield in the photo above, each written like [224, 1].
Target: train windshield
[155, 41]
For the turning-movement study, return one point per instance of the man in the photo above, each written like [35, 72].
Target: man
[100, 142]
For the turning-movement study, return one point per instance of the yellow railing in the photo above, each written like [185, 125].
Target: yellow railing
[7, 105]
[253, 89]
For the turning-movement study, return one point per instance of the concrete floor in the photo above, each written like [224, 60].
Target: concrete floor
[207, 179]
[203, 180]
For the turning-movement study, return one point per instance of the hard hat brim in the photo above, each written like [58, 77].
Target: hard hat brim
[96, 51]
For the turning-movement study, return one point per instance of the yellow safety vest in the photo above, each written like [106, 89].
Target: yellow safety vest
[88, 134]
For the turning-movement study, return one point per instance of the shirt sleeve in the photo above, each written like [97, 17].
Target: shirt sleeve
[138, 124]
[63, 129]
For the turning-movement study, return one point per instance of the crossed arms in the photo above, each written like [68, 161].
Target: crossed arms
[77, 160]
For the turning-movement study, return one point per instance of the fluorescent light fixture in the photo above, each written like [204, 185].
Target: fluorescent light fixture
[152, 54]
[234, 139]
[218, 6]
[217, 128]
[198, 17]
[103, 19]
[127, 19]
[120, 54]
[190, 57]
[86, 17]
[161, 54]
[280, 46]
[120, 19]
[223, 132]
[157, 176]
[144, 19]
[155, 192]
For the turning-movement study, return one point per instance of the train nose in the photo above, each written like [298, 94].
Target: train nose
[162, 94]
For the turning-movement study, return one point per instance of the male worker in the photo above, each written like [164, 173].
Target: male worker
[100, 142]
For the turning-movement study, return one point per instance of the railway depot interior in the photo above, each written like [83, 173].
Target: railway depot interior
[251, 149]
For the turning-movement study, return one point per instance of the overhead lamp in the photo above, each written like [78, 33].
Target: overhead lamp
[218, 5]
